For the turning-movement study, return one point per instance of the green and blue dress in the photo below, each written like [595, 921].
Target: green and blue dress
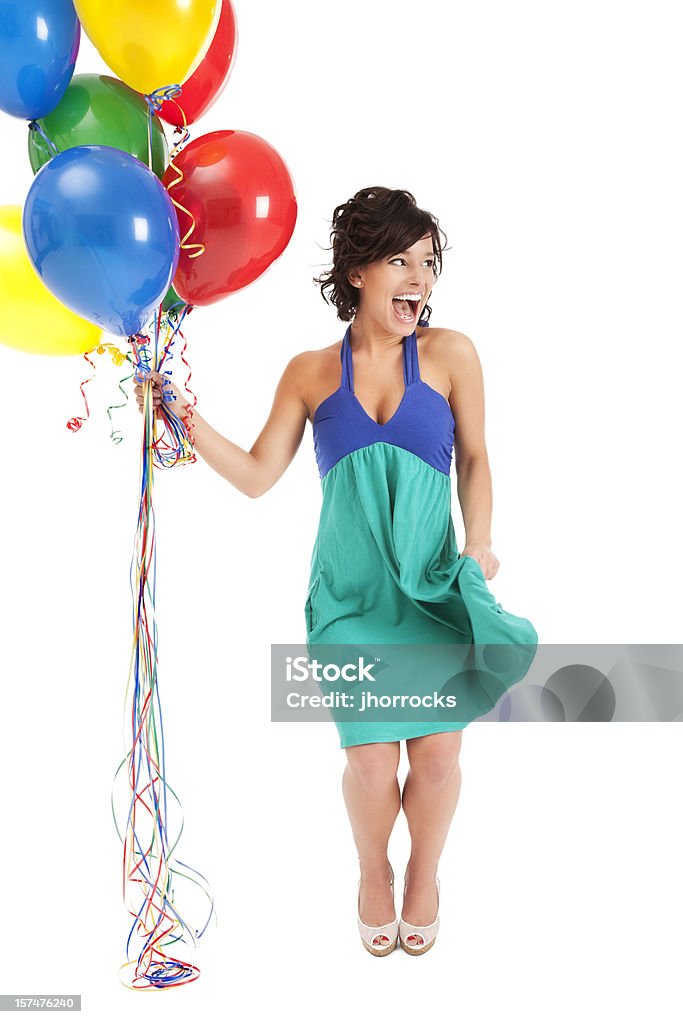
[385, 567]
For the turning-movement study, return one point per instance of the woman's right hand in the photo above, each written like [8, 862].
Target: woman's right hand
[171, 396]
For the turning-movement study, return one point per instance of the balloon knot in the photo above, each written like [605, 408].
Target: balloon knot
[156, 98]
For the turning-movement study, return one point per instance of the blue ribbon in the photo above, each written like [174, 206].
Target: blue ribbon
[154, 101]
[166, 92]
[35, 127]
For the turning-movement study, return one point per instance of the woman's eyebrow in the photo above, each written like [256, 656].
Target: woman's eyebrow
[403, 253]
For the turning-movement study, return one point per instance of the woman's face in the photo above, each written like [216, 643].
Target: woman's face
[408, 273]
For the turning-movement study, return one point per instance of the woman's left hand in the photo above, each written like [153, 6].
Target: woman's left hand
[484, 556]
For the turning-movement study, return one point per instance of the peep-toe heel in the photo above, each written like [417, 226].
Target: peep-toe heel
[418, 938]
[378, 939]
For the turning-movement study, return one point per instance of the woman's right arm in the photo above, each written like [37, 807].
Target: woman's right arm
[255, 471]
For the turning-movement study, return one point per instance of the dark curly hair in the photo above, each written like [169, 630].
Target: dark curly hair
[376, 223]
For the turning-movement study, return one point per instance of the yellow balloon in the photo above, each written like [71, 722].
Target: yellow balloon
[150, 43]
[31, 318]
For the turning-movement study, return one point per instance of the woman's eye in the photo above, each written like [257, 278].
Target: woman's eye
[429, 261]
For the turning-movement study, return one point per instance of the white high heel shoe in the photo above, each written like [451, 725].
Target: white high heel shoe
[417, 939]
[382, 938]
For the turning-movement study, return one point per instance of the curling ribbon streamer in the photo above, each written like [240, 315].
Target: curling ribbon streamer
[118, 359]
[150, 873]
[188, 418]
[174, 446]
[116, 435]
[154, 102]
[76, 422]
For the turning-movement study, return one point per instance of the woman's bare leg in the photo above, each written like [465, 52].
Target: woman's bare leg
[373, 800]
[429, 798]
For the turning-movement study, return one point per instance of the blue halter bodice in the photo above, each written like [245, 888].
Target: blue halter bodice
[422, 424]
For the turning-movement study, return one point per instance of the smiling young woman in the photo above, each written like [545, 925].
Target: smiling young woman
[389, 405]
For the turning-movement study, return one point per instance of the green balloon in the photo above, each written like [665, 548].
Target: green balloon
[97, 110]
[173, 299]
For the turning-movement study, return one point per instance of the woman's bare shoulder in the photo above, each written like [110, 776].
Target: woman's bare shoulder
[312, 374]
[314, 362]
[454, 352]
[443, 340]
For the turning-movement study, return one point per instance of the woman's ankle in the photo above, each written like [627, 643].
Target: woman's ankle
[421, 872]
[375, 869]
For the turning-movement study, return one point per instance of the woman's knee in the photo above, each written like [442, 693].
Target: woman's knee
[373, 764]
[435, 758]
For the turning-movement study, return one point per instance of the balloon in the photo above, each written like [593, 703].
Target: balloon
[240, 193]
[171, 300]
[99, 110]
[150, 43]
[102, 232]
[201, 91]
[31, 318]
[39, 42]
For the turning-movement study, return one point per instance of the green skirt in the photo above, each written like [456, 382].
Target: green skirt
[385, 569]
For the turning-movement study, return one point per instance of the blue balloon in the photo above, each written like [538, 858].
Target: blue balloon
[102, 233]
[39, 42]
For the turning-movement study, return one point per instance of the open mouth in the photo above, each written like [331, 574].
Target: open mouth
[405, 309]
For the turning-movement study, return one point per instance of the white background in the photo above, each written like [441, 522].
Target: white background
[545, 138]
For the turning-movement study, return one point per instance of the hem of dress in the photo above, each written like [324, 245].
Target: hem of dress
[405, 734]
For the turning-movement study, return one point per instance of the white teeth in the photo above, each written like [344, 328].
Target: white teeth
[408, 295]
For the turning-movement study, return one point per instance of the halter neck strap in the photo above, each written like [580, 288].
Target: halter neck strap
[411, 366]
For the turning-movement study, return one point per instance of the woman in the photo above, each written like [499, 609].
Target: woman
[387, 405]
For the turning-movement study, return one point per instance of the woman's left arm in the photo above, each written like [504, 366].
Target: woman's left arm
[473, 473]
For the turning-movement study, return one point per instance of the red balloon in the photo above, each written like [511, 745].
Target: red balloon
[203, 88]
[241, 195]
